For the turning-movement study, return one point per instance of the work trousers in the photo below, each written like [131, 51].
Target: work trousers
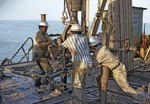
[120, 75]
[80, 73]
[43, 63]
[107, 59]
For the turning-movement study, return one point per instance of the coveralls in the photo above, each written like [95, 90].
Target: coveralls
[40, 54]
[82, 63]
[107, 59]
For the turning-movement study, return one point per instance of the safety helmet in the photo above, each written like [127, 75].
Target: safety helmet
[94, 41]
[43, 23]
[75, 27]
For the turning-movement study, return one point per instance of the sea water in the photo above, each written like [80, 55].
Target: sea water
[13, 33]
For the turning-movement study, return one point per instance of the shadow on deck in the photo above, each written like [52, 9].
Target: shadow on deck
[19, 89]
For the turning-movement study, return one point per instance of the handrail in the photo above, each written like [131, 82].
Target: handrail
[25, 54]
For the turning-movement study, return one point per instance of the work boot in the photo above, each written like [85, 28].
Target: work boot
[43, 79]
[140, 96]
[37, 82]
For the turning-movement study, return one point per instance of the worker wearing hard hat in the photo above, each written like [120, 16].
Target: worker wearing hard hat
[77, 43]
[107, 59]
[40, 49]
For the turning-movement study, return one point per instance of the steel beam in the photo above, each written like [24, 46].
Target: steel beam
[96, 21]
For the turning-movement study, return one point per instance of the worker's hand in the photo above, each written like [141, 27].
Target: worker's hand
[59, 48]
[89, 70]
[54, 44]
[54, 65]
[68, 55]
[48, 43]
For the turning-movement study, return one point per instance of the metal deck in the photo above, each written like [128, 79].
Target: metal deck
[19, 89]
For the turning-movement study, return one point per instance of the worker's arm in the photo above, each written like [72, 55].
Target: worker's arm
[52, 42]
[44, 44]
[59, 40]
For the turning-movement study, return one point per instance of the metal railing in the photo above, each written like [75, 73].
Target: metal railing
[26, 54]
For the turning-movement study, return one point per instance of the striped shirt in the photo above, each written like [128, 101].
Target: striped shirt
[78, 47]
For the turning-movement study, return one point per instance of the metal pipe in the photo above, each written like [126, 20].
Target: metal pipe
[104, 85]
[87, 16]
[43, 17]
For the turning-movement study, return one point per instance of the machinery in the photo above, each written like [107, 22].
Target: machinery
[69, 16]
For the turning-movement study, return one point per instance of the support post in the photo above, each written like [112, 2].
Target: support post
[96, 20]
[85, 16]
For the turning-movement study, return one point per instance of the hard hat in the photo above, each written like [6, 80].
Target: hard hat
[94, 41]
[43, 23]
[75, 27]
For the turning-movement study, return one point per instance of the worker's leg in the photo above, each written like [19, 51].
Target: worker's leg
[45, 69]
[108, 59]
[79, 85]
[43, 63]
[46, 66]
[120, 75]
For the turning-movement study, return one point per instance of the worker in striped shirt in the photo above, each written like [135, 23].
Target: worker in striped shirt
[77, 44]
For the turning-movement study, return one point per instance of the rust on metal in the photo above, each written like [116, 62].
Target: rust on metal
[43, 17]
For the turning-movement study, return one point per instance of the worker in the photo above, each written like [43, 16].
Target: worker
[107, 59]
[77, 43]
[40, 51]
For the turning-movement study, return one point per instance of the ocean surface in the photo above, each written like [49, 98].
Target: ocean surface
[13, 33]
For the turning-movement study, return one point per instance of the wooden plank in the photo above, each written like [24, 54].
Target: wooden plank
[130, 32]
[130, 54]
[121, 26]
[127, 36]
[124, 31]
[68, 3]
[111, 23]
[114, 22]
[87, 17]
[122, 18]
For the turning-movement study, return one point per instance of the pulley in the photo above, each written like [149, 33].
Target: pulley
[64, 14]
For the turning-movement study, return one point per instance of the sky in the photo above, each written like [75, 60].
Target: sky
[31, 9]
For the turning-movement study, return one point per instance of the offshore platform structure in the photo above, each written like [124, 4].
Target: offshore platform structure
[116, 33]
[118, 23]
